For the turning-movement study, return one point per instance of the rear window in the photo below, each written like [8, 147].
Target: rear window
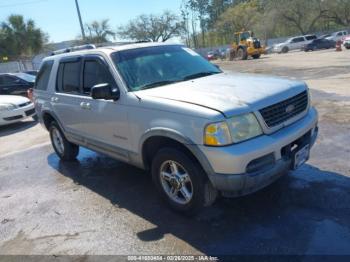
[42, 80]
[68, 77]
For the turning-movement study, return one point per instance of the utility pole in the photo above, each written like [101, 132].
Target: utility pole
[80, 20]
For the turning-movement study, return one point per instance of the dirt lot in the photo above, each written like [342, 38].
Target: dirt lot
[100, 206]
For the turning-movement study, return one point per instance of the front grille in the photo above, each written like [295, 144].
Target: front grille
[24, 104]
[281, 112]
[30, 112]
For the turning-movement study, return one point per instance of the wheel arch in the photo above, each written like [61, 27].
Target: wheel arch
[155, 139]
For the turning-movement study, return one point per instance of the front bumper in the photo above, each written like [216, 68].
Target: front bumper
[247, 167]
[17, 115]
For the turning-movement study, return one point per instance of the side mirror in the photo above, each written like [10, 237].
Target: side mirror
[217, 66]
[105, 91]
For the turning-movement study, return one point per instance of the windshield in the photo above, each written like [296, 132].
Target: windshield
[155, 66]
[26, 77]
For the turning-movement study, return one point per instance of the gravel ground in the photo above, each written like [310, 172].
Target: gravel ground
[97, 205]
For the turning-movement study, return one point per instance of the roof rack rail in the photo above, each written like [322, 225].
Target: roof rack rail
[73, 49]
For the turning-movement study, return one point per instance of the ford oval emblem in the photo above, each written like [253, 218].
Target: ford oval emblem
[290, 108]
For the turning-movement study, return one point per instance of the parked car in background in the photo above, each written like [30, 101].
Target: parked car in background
[32, 72]
[213, 55]
[318, 44]
[294, 43]
[14, 109]
[16, 83]
[346, 42]
[199, 131]
[336, 36]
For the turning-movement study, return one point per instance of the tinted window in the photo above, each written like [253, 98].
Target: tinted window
[68, 78]
[340, 34]
[95, 73]
[297, 40]
[43, 77]
[7, 80]
[311, 37]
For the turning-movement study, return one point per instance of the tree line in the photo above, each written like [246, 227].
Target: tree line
[213, 22]
[199, 23]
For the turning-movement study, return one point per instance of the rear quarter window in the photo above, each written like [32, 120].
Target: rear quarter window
[42, 80]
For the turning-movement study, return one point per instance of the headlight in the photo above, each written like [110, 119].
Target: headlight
[217, 134]
[234, 130]
[7, 107]
[244, 127]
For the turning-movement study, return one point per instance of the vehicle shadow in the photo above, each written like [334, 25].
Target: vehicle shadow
[16, 127]
[306, 212]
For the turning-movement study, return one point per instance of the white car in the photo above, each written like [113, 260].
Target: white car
[336, 36]
[14, 109]
[294, 43]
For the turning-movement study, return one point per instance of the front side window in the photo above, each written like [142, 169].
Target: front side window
[69, 77]
[94, 74]
[43, 77]
[155, 66]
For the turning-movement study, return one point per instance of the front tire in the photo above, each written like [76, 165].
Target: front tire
[63, 148]
[181, 181]
[256, 56]
[285, 50]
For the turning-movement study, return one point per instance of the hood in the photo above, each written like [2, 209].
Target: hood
[228, 93]
[15, 100]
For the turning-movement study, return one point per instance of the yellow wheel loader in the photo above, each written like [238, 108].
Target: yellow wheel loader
[246, 45]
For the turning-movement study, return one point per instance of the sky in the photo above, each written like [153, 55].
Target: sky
[58, 18]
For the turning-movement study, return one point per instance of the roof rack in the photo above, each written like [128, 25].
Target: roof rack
[73, 49]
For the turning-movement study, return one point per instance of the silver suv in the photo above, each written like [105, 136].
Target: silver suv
[200, 131]
[294, 43]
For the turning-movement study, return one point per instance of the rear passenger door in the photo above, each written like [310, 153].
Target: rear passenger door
[66, 101]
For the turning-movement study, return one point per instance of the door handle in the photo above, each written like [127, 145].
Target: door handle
[54, 99]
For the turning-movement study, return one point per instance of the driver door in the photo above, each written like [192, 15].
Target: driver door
[103, 123]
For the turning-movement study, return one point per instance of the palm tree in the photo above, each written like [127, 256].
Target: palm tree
[20, 38]
[99, 31]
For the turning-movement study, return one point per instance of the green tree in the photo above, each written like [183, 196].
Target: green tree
[20, 38]
[239, 17]
[300, 14]
[153, 28]
[99, 32]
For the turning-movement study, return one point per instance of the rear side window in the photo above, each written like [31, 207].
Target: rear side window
[298, 39]
[42, 80]
[7, 80]
[68, 77]
[311, 37]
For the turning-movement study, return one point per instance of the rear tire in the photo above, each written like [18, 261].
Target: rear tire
[66, 150]
[184, 187]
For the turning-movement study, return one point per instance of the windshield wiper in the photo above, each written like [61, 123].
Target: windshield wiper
[160, 83]
[201, 74]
